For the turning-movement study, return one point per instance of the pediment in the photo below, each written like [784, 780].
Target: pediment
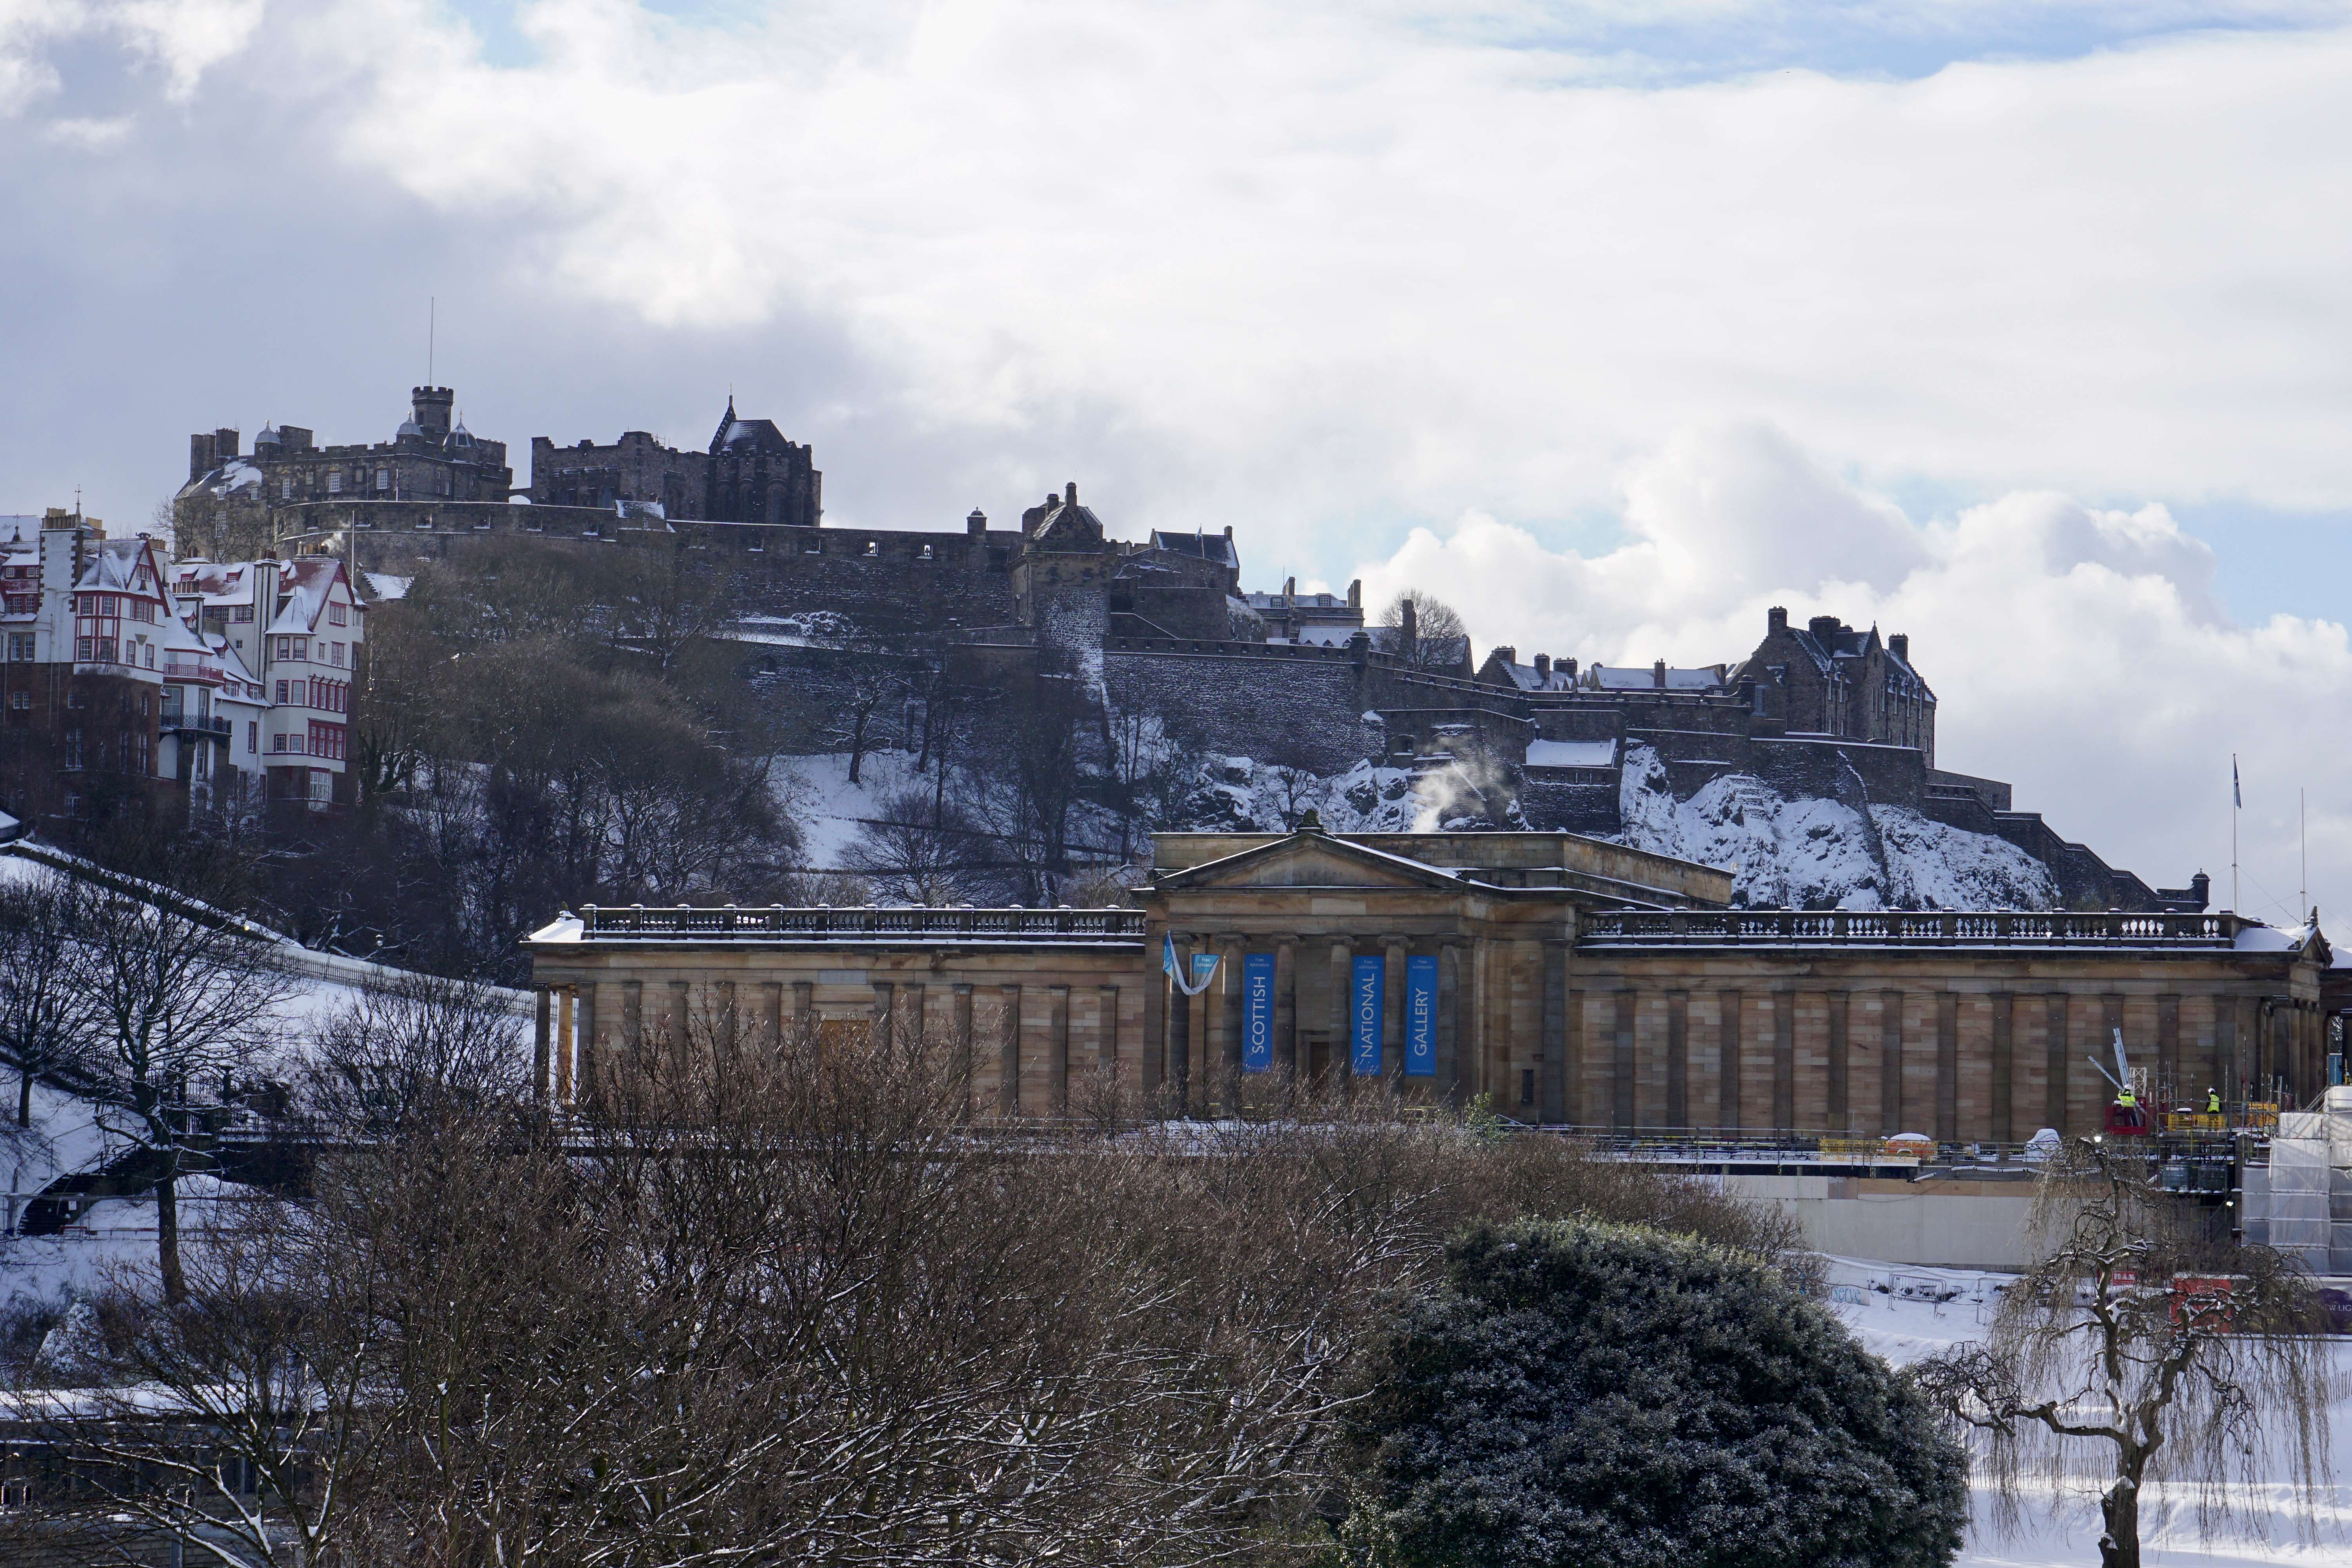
[1310, 860]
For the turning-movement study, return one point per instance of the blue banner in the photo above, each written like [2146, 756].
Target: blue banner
[1258, 1012]
[1364, 1015]
[1421, 1016]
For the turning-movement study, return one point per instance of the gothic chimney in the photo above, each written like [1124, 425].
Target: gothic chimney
[1408, 626]
[1776, 619]
[200, 456]
[1658, 675]
[1567, 670]
[1899, 644]
[1070, 495]
[2201, 888]
[977, 523]
[1823, 625]
[1506, 652]
[1543, 668]
[1355, 593]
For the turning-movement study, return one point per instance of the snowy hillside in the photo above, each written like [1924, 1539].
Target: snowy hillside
[1810, 853]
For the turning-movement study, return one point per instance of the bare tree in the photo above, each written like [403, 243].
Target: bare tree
[916, 849]
[45, 1011]
[181, 997]
[1430, 633]
[410, 1050]
[2139, 1347]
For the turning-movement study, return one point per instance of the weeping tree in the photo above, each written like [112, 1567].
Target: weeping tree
[2142, 1347]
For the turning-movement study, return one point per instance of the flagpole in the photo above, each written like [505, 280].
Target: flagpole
[2302, 849]
[2234, 803]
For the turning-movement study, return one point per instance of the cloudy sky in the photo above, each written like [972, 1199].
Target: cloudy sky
[2020, 327]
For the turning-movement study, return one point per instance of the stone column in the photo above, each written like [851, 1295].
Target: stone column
[673, 1021]
[586, 1059]
[2167, 1055]
[1728, 1075]
[633, 1017]
[1057, 1051]
[1179, 1030]
[771, 1015]
[803, 1004]
[911, 1003]
[1551, 1057]
[1890, 1062]
[1229, 1025]
[1107, 1037]
[1008, 1052]
[885, 994]
[1447, 1083]
[1393, 949]
[2058, 1058]
[563, 1049]
[726, 1020]
[1678, 1058]
[1947, 1068]
[1624, 1063]
[1784, 1060]
[1341, 967]
[1285, 1008]
[1472, 1061]
[1839, 1112]
[540, 1036]
[1155, 1016]
[961, 1046]
[2004, 1068]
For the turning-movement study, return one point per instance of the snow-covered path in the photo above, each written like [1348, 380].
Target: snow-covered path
[1903, 1330]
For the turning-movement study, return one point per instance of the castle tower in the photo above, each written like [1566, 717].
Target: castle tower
[430, 407]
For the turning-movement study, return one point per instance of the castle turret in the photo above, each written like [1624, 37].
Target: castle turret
[429, 408]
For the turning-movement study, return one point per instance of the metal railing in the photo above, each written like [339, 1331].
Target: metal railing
[1939, 927]
[863, 924]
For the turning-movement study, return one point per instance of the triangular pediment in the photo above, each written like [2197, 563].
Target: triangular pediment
[1310, 860]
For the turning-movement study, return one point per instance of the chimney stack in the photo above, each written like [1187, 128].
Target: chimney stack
[1543, 668]
[1355, 593]
[1776, 619]
[1408, 627]
[1070, 495]
[1506, 653]
[1567, 670]
[977, 523]
[1900, 646]
[1658, 675]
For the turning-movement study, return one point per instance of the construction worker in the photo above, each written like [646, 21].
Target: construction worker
[2212, 1103]
[2126, 1099]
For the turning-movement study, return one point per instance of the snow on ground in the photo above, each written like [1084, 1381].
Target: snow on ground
[815, 793]
[1890, 1309]
[1816, 853]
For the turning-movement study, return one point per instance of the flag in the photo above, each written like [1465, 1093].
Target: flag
[1201, 973]
[2237, 795]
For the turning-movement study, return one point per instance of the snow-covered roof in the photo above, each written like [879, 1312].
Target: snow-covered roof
[1525, 679]
[1634, 677]
[114, 567]
[214, 581]
[305, 583]
[384, 585]
[1572, 753]
[1216, 547]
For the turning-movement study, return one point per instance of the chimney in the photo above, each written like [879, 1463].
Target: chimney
[225, 445]
[1899, 644]
[1824, 625]
[1505, 652]
[200, 456]
[1229, 531]
[1355, 593]
[2199, 887]
[1567, 670]
[1658, 675]
[1070, 495]
[1543, 668]
[1776, 619]
[1289, 589]
[1408, 626]
[977, 523]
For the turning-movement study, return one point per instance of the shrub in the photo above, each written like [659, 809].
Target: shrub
[1608, 1396]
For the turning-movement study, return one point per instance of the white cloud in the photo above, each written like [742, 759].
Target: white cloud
[2074, 651]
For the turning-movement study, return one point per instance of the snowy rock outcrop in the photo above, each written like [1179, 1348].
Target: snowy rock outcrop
[1815, 853]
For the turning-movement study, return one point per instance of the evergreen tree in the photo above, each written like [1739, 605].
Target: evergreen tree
[1608, 1396]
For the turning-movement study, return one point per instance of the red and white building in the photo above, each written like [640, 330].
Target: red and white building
[125, 677]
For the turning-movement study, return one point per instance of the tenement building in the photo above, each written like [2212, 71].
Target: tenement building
[1570, 981]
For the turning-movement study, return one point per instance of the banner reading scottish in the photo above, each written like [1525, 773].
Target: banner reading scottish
[1258, 1012]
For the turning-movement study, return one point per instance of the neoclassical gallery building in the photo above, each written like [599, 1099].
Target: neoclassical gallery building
[1572, 981]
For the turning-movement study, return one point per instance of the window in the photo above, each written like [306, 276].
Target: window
[285, 489]
[334, 481]
[384, 479]
[241, 613]
[338, 659]
[20, 700]
[326, 740]
[150, 654]
[108, 606]
[335, 615]
[74, 699]
[83, 649]
[322, 786]
[73, 747]
[146, 761]
[20, 645]
[252, 736]
[276, 742]
[302, 654]
[281, 694]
